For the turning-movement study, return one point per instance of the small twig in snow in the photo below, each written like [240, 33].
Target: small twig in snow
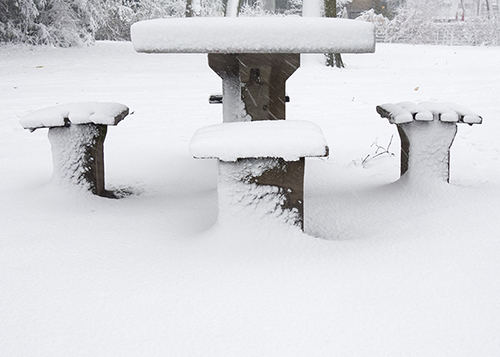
[379, 151]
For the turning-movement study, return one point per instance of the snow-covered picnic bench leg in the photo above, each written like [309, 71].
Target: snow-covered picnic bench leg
[78, 155]
[425, 149]
[261, 185]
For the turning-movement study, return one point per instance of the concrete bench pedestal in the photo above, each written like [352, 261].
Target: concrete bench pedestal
[261, 165]
[427, 131]
[77, 133]
[269, 186]
[78, 155]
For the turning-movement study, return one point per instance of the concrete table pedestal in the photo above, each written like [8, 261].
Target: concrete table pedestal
[259, 184]
[254, 90]
[253, 84]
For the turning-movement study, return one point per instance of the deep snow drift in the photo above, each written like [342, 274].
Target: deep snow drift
[404, 270]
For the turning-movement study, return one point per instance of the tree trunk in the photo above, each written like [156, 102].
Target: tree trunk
[189, 8]
[332, 59]
[232, 7]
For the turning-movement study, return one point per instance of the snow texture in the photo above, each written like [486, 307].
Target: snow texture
[253, 35]
[400, 271]
[75, 113]
[286, 139]
[406, 112]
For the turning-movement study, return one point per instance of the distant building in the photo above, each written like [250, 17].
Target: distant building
[460, 10]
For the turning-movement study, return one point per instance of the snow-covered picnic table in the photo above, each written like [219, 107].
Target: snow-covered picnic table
[255, 56]
[253, 35]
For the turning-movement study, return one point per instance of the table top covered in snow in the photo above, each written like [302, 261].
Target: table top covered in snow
[287, 139]
[253, 35]
[406, 112]
[106, 113]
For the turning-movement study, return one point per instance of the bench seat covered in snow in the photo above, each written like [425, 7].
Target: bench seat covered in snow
[406, 112]
[105, 113]
[287, 139]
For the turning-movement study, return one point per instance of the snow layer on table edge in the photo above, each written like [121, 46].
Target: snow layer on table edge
[406, 112]
[289, 140]
[253, 35]
[106, 113]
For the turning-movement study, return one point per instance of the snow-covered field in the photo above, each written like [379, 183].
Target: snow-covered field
[402, 270]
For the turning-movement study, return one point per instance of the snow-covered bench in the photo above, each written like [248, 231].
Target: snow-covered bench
[76, 133]
[427, 131]
[261, 165]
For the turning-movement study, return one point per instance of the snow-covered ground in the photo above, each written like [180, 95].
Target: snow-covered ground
[402, 269]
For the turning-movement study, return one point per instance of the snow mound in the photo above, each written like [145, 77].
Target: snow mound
[289, 140]
[106, 113]
[253, 35]
[406, 112]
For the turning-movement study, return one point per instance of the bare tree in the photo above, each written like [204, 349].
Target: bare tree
[487, 7]
[189, 8]
[232, 7]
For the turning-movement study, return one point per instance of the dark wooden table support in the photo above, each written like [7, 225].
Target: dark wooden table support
[253, 84]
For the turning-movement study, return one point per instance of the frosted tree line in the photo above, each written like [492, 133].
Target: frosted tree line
[448, 22]
[76, 22]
